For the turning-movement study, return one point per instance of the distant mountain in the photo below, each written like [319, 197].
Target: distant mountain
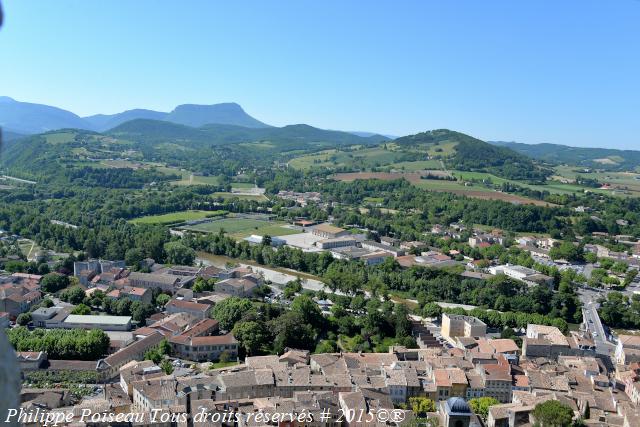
[7, 135]
[200, 115]
[102, 122]
[601, 158]
[28, 118]
[280, 139]
[187, 114]
[464, 152]
[368, 134]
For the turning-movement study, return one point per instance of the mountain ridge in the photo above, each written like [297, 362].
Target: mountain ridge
[32, 118]
[600, 158]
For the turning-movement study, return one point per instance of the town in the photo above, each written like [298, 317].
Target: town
[167, 338]
[308, 214]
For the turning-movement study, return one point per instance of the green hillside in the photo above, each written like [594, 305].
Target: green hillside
[599, 158]
[466, 153]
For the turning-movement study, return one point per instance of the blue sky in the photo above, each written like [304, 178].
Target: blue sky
[532, 71]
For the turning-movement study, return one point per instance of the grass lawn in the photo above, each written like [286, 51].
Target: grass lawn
[417, 165]
[242, 185]
[219, 365]
[258, 197]
[190, 179]
[239, 228]
[59, 138]
[176, 217]
[373, 200]
[231, 225]
[443, 185]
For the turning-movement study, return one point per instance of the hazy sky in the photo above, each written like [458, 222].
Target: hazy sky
[532, 71]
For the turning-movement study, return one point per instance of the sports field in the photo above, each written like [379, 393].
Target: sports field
[243, 227]
[176, 217]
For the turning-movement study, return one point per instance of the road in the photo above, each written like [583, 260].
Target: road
[592, 321]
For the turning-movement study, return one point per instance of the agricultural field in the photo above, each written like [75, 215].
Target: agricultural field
[417, 165]
[256, 197]
[177, 217]
[359, 158]
[242, 227]
[191, 179]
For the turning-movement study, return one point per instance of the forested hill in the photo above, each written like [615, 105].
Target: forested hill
[463, 152]
[600, 158]
[292, 137]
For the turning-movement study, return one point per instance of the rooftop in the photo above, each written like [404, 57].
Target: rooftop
[97, 320]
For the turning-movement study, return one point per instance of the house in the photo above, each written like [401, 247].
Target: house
[627, 349]
[379, 247]
[165, 282]
[328, 231]
[455, 325]
[389, 241]
[337, 242]
[143, 295]
[200, 311]
[524, 274]
[18, 298]
[204, 348]
[243, 287]
[109, 367]
[485, 240]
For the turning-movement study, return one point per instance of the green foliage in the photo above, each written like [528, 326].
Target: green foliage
[81, 309]
[567, 251]
[166, 366]
[23, 319]
[157, 354]
[53, 282]
[162, 299]
[480, 405]
[230, 310]
[253, 336]
[620, 311]
[74, 344]
[177, 253]
[552, 414]
[73, 295]
[421, 405]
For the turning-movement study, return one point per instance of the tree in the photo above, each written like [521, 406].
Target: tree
[230, 310]
[225, 357]
[140, 311]
[53, 282]
[81, 309]
[552, 414]
[291, 331]
[166, 366]
[23, 319]
[480, 405]
[133, 257]
[177, 253]
[309, 310]
[567, 251]
[162, 300]
[421, 405]
[252, 336]
[73, 295]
